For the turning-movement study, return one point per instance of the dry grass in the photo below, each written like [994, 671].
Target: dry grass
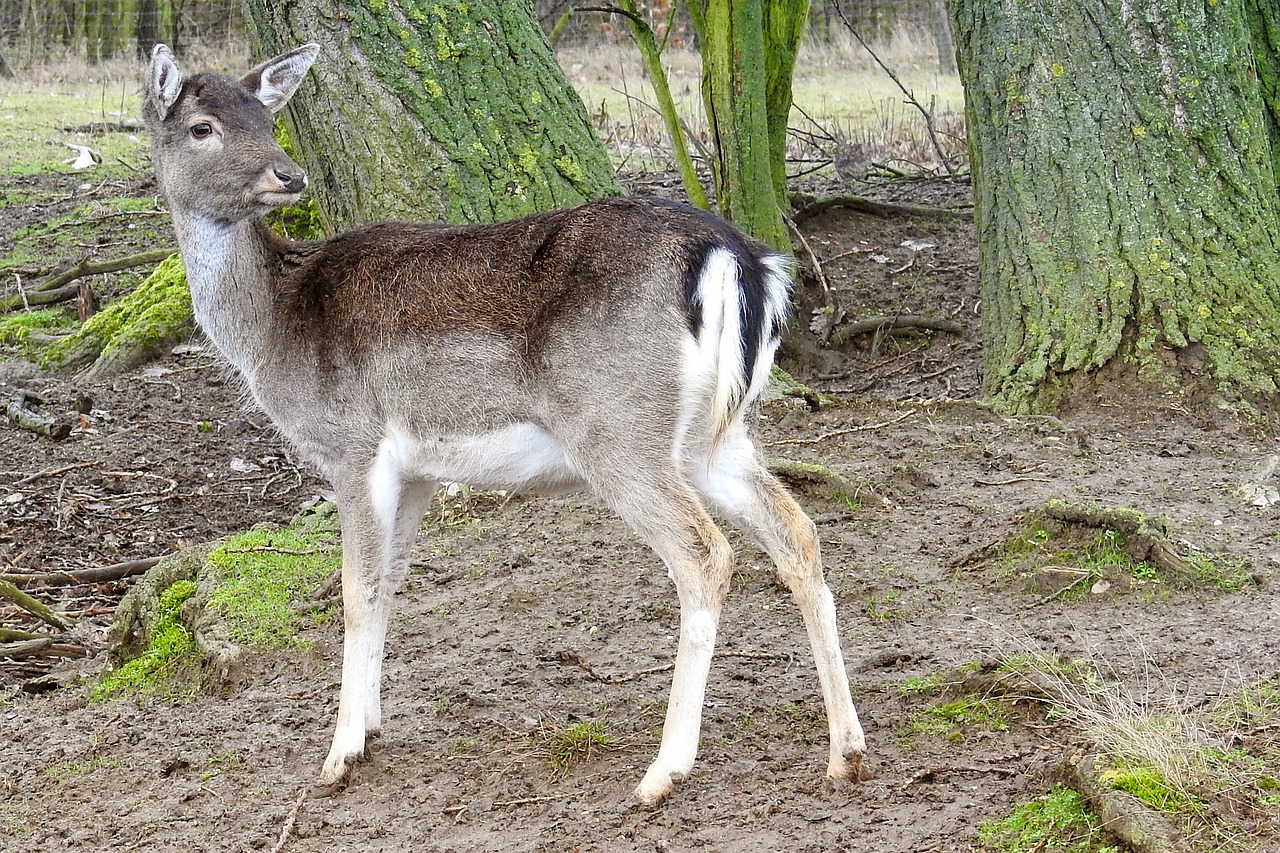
[1215, 770]
[841, 96]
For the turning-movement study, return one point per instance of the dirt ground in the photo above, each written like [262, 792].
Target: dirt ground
[523, 616]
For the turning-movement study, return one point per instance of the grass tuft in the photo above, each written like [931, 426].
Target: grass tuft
[576, 743]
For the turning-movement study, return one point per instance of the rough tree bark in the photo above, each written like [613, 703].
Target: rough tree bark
[442, 110]
[1125, 157]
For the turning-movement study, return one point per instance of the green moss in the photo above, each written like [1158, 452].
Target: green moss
[16, 329]
[264, 571]
[156, 312]
[1058, 821]
[1147, 784]
[172, 651]
[961, 717]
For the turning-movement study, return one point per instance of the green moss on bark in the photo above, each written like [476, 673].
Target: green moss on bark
[1126, 197]
[434, 109]
[132, 329]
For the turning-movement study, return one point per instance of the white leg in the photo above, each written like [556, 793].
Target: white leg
[700, 561]
[748, 495]
[415, 500]
[378, 531]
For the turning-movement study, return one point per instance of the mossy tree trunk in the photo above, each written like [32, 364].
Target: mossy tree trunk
[441, 110]
[748, 53]
[1125, 158]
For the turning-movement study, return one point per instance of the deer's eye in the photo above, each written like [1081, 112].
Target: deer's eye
[203, 130]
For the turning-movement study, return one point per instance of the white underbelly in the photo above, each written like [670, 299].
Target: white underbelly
[522, 457]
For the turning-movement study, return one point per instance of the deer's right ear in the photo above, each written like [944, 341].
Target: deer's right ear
[166, 79]
[275, 80]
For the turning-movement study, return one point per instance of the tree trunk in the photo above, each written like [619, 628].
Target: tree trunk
[940, 26]
[748, 52]
[453, 111]
[1124, 166]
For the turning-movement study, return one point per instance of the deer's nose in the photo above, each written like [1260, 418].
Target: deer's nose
[292, 181]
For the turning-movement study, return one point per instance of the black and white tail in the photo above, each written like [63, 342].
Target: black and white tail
[738, 301]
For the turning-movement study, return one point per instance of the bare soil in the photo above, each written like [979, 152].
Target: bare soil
[523, 616]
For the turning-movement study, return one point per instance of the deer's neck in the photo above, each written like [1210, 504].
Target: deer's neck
[229, 267]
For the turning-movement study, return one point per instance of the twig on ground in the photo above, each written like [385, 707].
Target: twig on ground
[54, 472]
[818, 439]
[929, 772]
[296, 552]
[287, 830]
[879, 325]
[577, 660]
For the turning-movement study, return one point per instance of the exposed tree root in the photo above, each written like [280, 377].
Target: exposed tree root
[1141, 829]
[1147, 537]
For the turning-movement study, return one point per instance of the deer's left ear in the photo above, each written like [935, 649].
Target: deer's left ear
[166, 79]
[275, 81]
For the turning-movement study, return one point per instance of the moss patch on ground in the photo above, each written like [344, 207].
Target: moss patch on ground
[1070, 558]
[196, 613]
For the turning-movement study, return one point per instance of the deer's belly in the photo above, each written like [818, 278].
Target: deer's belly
[521, 457]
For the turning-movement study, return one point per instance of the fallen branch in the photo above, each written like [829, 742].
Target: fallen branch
[43, 647]
[879, 325]
[61, 287]
[38, 609]
[13, 635]
[807, 207]
[114, 572]
[25, 418]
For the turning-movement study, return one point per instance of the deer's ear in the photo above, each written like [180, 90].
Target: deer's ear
[275, 81]
[166, 79]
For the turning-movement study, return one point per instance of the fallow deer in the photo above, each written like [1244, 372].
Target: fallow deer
[616, 347]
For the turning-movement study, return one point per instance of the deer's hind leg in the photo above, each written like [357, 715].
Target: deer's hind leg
[380, 514]
[739, 487]
[645, 487]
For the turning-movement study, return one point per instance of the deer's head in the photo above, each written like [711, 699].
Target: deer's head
[212, 137]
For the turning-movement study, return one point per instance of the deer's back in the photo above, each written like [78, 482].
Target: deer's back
[519, 278]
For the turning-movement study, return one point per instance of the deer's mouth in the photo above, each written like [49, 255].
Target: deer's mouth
[277, 198]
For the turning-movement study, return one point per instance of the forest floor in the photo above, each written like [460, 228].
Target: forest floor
[524, 618]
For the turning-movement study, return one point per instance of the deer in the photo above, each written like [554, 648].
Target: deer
[616, 347]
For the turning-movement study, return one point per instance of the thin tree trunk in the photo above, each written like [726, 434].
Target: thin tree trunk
[449, 111]
[1125, 173]
[731, 37]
